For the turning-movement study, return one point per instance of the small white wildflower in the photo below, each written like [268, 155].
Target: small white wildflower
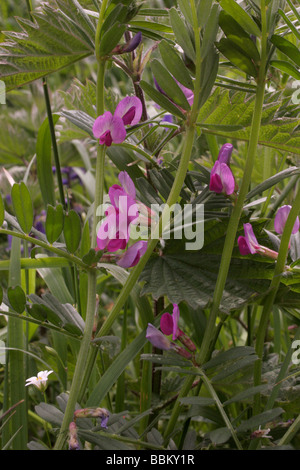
[40, 381]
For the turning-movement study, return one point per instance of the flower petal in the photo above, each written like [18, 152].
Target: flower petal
[130, 110]
[281, 218]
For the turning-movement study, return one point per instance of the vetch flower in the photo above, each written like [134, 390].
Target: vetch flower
[113, 233]
[259, 433]
[169, 326]
[73, 438]
[109, 129]
[40, 381]
[130, 110]
[101, 413]
[130, 46]
[221, 177]
[281, 218]
[169, 323]
[248, 244]
[133, 255]
[158, 339]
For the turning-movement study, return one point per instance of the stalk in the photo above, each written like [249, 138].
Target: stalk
[92, 275]
[238, 208]
[279, 269]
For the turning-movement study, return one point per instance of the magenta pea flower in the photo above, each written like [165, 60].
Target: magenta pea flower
[248, 244]
[221, 177]
[133, 255]
[114, 232]
[158, 339]
[169, 323]
[109, 129]
[281, 218]
[130, 110]
[169, 326]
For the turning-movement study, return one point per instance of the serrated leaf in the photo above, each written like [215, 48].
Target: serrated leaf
[62, 26]
[72, 231]
[277, 130]
[17, 298]
[23, 206]
[54, 223]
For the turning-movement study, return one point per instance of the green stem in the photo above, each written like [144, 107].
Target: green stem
[279, 269]
[92, 276]
[135, 273]
[53, 249]
[221, 409]
[54, 144]
[238, 208]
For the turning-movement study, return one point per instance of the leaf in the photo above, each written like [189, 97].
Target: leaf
[237, 57]
[168, 84]
[72, 231]
[287, 48]
[260, 420]
[241, 16]
[181, 34]
[61, 35]
[161, 100]
[17, 298]
[44, 162]
[111, 38]
[278, 130]
[219, 436]
[175, 64]
[286, 67]
[23, 207]
[54, 223]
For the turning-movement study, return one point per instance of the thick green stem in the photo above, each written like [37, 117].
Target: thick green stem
[238, 208]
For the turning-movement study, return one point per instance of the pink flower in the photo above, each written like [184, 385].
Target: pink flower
[157, 338]
[169, 323]
[281, 218]
[114, 232]
[132, 256]
[221, 177]
[109, 129]
[130, 110]
[249, 244]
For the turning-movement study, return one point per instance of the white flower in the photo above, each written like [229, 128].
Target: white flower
[40, 381]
